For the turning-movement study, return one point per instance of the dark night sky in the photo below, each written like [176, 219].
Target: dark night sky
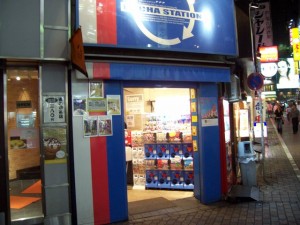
[281, 11]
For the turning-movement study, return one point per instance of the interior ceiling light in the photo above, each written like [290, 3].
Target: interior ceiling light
[254, 5]
[18, 78]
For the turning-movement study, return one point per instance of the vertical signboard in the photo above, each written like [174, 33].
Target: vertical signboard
[54, 108]
[262, 26]
[295, 42]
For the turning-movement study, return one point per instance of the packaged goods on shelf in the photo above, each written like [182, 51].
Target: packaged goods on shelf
[137, 138]
[149, 137]
[176, 163]
[150, 164]
[188, 164]
[162, 164]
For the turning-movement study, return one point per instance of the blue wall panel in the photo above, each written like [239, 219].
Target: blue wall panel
[210, 180]
[116, 160]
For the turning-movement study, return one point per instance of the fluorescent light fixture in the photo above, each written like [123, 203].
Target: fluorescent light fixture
[254, 5]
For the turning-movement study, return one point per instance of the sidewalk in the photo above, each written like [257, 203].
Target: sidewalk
[278, 203]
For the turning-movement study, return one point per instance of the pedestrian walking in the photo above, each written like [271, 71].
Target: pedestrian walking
[294, 114]
[288, 111]
[279, 118]
[269, 109]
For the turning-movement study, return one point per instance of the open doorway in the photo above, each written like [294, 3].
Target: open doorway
[24, 144]
[159, 149]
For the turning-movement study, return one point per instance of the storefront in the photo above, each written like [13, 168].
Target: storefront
[36, 152]
[160, 139]
[34, 182]
[192, 133]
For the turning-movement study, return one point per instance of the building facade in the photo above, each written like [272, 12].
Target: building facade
[69, 129]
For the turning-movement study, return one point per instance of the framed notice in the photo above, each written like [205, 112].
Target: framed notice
[90, 127]
[113, 105]
[97, 105]
[79, 105]
[54, 108]
[105, 125]
[96, 89]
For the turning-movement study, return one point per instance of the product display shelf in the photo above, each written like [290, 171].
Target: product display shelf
[163, 154]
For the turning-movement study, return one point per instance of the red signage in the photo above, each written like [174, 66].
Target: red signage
[268, 54]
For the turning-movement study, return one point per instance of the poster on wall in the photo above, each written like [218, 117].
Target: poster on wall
[54, 108]
[130, 121]
[79, 105]
[105, 125]
[244, 123]
[90, 127]
[97, 105]
[55, 144]
[113, 105]
[209, 112]
[134, 104]
[24, 138]
[96, 89]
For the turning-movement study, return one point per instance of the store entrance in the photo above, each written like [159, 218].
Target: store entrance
[159, 150]
[24, 145]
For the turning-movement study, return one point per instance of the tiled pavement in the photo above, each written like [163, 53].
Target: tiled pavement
[279, 194]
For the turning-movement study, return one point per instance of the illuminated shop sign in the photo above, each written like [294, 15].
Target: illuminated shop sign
[294, 35]
[185, 25]
[268, 54]
[295, 42]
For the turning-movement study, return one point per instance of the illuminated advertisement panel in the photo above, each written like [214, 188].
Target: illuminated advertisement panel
[282, 73]
[185, 25]
[268, 54]
[286, 77]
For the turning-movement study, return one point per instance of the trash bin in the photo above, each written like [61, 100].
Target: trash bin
[246, 158]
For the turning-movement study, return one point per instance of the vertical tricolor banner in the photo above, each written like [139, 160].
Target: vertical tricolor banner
[98, 20]
[99, 162]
